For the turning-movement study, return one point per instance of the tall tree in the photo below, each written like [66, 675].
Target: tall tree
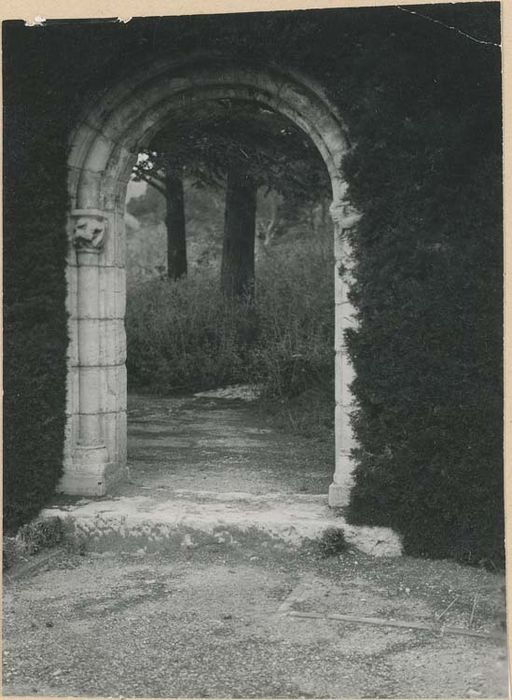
[175, 223]
[159, 171]
[237, 270]
[242, 147]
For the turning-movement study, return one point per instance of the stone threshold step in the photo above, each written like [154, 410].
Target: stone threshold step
[191, 519]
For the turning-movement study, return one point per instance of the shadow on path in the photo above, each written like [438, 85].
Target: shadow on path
[212, 444]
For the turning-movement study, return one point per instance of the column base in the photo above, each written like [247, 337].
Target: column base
[89, 474]
[338, 495]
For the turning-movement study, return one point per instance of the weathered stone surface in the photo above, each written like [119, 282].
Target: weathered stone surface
[89, 190]
[88, 232]
[112, 288]
[81, 142]
[114, 435]
[112, 342]
[147, 522]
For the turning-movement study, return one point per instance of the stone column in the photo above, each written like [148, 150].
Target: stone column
[344, 217]
[90, 457]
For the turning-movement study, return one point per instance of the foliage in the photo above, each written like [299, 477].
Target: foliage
[151, 205]
[35, 323]
[276, 217]
[295, 318]
[427, 353]
[332, 543]
[42, 533]
[231, 134]
[183, 335]
[187, 336]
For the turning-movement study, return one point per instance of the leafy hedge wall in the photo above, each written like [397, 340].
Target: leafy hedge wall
[428, 289]
[35, 336]
[422, 102]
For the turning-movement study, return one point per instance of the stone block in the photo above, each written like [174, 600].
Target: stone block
[119, 158]
[70, 438]
[71, 291]
[339, 381]
[71, 258]
[102, 342]
[339, 495]
[298, 99]
[112, 342]
[72, 391]
[89, 189]
[114, 436]
[343, 430]
[113, 254]
[89, 350]
[90, 389]
[98, 154]
[112, 381]
[73, 180]
[81, 143]
[72, 350]
[112, 297]
[119, 122]
[82, 483]
[340, 288]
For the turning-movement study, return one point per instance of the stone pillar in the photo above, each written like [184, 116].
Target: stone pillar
[344, 217]
[90, 456]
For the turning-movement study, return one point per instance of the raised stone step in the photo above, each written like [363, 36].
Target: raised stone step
[194, 518]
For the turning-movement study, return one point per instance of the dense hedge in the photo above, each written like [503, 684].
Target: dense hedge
[422, 103]
[429, 295]
[35, 337]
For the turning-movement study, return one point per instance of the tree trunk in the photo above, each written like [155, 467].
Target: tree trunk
[237, 269]
[175, 222]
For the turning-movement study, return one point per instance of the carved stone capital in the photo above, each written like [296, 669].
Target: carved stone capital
[89, 230]
[344, 215]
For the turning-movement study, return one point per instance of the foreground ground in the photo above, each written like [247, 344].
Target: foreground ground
[215, 621]
[242, 613]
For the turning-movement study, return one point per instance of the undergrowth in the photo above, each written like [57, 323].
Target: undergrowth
[40, 535]
[184, 336]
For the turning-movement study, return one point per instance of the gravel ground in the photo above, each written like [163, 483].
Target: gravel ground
[217, 619]
[214, 622]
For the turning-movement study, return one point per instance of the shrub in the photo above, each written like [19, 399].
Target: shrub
[35, 246]
[295, 318]
[333, 542]
[42, 533]
[185, 335]
[426, 172]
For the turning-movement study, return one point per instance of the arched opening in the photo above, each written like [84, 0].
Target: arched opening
[104, 148]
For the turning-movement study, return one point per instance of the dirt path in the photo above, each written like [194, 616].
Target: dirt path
[214, 622]
[219, 444]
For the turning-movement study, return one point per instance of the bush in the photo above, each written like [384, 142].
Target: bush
[295, 318]
[41, 534]
[185, 335]
[35, 320]
[426, 172]
[332, 543]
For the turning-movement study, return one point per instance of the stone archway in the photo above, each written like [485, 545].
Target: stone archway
[104, 148]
